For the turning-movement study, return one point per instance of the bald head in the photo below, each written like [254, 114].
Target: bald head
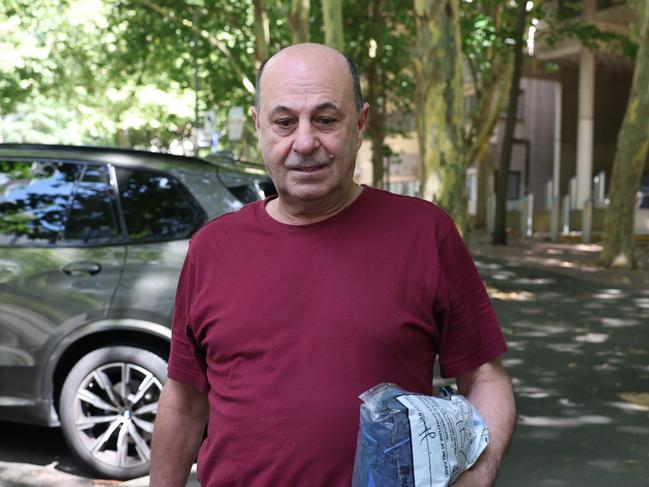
[319, 53]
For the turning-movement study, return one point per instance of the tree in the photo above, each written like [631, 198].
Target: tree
[437, 64]
[70, 93]
[262, 33]
[500, 234]
[332, 13]
[630, 156]
[383, 32]
[488, 60]
[299, 18]
[486, 25]
[376, 92]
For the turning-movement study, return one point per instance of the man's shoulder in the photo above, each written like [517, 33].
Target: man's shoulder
[410, 207]
[227, 223]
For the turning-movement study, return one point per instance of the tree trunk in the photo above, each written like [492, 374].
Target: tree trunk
[492, 103]
[630, 157]
[376, 124]
[299, 19]
[376, 95]
[332, 12]
[485, 170]
[439, 96]
[262, 33]
[500, 230]
[122, 138]
[491, 81]
[479, 143]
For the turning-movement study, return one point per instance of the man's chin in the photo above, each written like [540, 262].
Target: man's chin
[308, 191]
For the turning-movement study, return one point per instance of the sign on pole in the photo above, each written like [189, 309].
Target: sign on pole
[210, 121]
[235, 123]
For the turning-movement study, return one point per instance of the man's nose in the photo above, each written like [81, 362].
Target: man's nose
[306, 139]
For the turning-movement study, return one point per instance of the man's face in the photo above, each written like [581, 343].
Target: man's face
[308, 127]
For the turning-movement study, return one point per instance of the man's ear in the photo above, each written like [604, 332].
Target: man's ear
[255, 117]
[362, 122]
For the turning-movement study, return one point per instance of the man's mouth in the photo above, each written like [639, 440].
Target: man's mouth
[309, 168]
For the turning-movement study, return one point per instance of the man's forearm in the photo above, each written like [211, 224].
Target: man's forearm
[177, 435]
[490, 390]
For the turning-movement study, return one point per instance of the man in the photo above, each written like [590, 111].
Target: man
[290, 308]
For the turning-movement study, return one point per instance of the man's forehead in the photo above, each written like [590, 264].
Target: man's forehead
[317, 53]
[310, 70]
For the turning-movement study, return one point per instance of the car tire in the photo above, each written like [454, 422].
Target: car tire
[107, 409]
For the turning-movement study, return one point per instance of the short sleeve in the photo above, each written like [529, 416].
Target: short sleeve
[186, 361]
[469, 329]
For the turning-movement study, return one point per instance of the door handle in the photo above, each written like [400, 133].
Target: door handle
[81, 268]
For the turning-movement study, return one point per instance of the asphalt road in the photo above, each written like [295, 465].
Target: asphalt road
[579, 355]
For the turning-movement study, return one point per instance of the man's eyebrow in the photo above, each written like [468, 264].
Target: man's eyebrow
[282, 109]
[327, 105]
[279, 109]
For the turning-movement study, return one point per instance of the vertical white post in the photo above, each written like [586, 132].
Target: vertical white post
[529, 224]
[587, 221]
[523, 202]
[565, 215]
[554, 220]
[491, 212]
[556, 166]
[585, 126]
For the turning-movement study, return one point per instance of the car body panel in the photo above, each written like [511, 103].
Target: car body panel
[148, 286]
[58, 299]
[42, 302]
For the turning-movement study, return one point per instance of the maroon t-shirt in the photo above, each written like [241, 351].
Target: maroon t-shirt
[284, 326]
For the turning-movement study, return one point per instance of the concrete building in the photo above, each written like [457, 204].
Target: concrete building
[566, 132]
[591, 92]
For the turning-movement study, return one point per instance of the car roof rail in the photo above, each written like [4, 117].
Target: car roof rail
[229, 162]
[96, 149]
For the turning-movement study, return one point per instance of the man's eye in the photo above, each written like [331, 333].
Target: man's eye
[325, 121]
[284, 123]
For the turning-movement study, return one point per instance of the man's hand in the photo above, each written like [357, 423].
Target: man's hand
[490, 390]
[180, 421]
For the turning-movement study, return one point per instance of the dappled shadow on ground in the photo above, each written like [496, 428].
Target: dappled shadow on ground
[579, 356]
[570, 258]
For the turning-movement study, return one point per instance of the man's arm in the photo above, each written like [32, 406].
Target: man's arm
[182, 414]
[490, 390]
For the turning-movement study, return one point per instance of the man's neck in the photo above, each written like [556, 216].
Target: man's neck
[304, 213]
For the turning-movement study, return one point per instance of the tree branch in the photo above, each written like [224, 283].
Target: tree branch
[220, 46]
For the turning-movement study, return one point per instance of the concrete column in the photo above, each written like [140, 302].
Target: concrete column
[585, 126]
[556, 158]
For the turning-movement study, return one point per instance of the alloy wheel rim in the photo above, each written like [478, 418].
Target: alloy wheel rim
[114, 411]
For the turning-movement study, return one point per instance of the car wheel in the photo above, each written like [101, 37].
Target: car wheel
[108, 406]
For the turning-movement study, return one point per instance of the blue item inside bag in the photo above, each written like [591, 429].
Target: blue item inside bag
[415, 440]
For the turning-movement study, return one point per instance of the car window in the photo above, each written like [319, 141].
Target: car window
[34, 199]
[93, 213]
[156, 206]
[245, 193]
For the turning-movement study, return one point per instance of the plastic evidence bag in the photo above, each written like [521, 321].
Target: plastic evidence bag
[415, 440]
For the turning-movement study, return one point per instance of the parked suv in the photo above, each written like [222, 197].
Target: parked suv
[91, 244]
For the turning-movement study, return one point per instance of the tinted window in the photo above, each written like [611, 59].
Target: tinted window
[245, 194]
[93, 214]
[34, 200]
[156, 206]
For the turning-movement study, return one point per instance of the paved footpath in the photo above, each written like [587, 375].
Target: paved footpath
[579, 356]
